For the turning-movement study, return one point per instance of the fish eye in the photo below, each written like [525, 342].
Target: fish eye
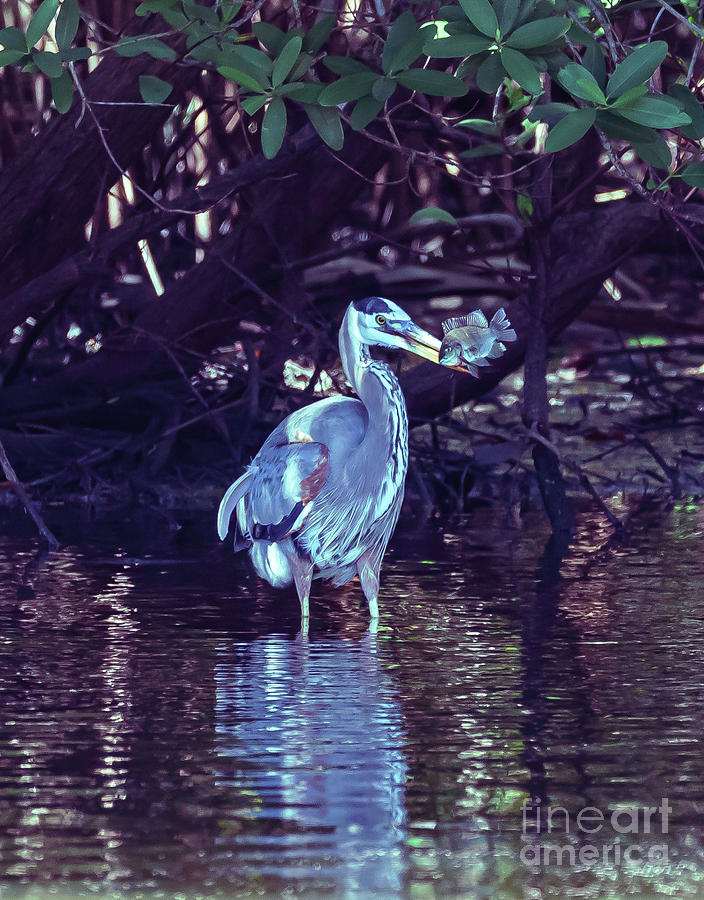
[380, 320]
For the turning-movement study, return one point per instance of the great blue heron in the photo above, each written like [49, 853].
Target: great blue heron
[325, 490]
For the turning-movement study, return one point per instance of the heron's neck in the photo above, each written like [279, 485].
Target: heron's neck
[380, 392]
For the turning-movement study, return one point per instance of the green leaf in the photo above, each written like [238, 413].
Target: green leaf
[71, 54]
[272, 37]
[508, 14]
[570, 129]
[401, 32]
[41, 20]
[328, 125]
[200, 46]
[300, 67]
[407, 54]
[620, 129]
[436, 84]
[364, 112]
[48, 63]
[301, 91]
[67, 23]
[593, 60]
[521, 69]
[133, 45]
[628, 98]
[457, 46]
[550, 112]
[229, 9]
[525, 12]
[349, 87]
[579, 82]
[481, 14]
[693, 108]
[483, 150]
[273, 127]
[242, 78]
[524, 205]
[249, 60]
[538, 33]
[153, 6]
[636, 68]
[431, 214]
[319, 33]
[13, 39]
[62, 92]
[656, 152]
[252, 105]
[490, 74]
[10, 57]
[153, 89]
[198, 12]
[694, 175]
[655, 112]
[175, 17]
[344, 65]
[383, 89]
[285, 60]
[483, 126]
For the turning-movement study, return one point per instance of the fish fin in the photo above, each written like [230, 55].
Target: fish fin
[501, 327]
[232, 497]
[499, 317]
[497, 350]
[474, 318]
[480, 361]
[472, 369]
[449, 325]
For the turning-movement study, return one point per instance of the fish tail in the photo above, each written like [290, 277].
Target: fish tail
[501, 327]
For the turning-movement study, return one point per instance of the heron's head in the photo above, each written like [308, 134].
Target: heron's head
[377, 322]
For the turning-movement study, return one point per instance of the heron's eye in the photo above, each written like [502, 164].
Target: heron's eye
[381, 320]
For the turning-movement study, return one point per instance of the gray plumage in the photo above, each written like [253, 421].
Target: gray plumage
[325, 491]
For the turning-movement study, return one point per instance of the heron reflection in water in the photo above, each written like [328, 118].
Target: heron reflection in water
[309, 743]
[325, 490]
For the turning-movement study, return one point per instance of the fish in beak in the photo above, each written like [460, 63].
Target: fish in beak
[422, 343]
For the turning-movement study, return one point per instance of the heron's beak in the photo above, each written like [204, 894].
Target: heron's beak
[420, 342]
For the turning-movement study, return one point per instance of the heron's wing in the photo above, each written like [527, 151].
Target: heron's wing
[287, 478]
[237, 490]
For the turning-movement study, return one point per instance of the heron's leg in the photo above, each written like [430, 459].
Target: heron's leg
[302, 570]
[368, 567]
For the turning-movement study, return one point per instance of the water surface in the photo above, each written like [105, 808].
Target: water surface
[166, 731]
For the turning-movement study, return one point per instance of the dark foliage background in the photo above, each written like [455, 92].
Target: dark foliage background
[168, 293]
